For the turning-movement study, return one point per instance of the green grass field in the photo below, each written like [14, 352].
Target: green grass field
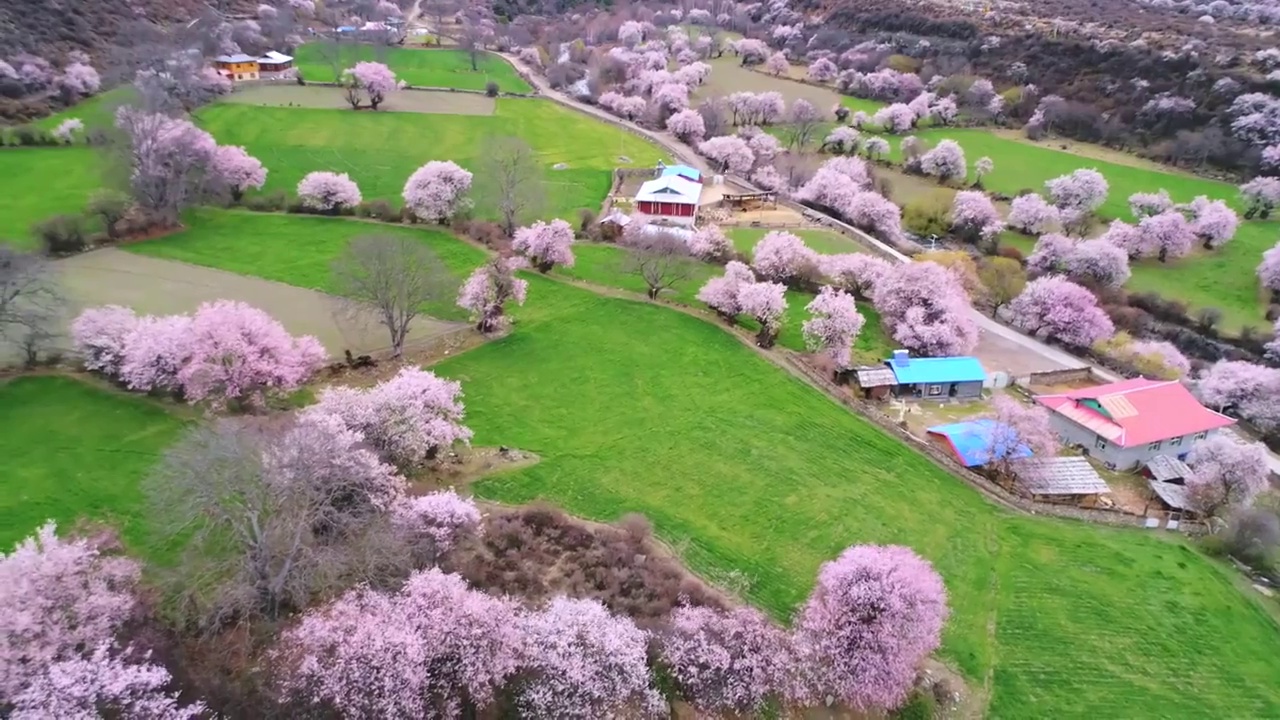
[380, 150]
[36, 183]
[96, 112]
[827, 242]
[72, 451]
[296, 249]
[747, 470]
[421, 68]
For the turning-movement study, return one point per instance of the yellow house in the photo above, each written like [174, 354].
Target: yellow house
[237, 67]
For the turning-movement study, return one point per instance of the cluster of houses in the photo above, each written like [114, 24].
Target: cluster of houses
[1138, 424]
[241, 67]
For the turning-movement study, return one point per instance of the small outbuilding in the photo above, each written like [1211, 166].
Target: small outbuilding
[1166, 469]
[1065, 480]
[1168, 497]
[874, 383]
[975, 442]
[684, 171]
[672, 198]
[955, 378]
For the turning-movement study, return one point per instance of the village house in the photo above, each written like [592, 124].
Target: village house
[274, 63]
[954, 378]
[1127, 423]
[240, 67]
[669, 198]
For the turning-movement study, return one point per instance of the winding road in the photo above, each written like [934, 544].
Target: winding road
[999, 346]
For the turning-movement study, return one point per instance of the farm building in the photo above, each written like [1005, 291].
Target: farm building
[1127, 423]
[958, 378]
[275, 63]
[976, 442]
[683, 171]
[875, 382]
[672, 198]
[1068, 480]
[237, 67]
[1165, 468]
[1167, 480]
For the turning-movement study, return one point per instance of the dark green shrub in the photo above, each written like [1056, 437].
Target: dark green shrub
[63, 235]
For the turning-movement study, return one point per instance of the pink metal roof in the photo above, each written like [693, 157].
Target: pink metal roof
[1137, 412]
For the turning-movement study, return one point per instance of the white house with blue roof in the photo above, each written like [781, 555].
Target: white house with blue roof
[957, 378]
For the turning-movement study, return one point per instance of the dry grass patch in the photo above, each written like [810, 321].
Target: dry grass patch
[321, 97]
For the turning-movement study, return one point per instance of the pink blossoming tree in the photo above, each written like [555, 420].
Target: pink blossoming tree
[766, 303]
[79, 79]
[1129, 238]
[102, 683]
[1261, 195]
[841, 139]
[855, 273]
[155, 352]
[721, 294]
[1269, 272]
[444, 517]
[236, 169]
[545, 244]
[925, 309]
[1053, 307]
[437, 190]
[1213, 221]
[1167, 235]
[877, 612]
[98, 335]
[710, 244]
[1032, 215]
[375, 79]
[834, 326]
[1096, 261]
[586, 663]
[486, 291]
[1166, 354]
[784, 258]
[1147, 204]
[408, 419]
[974, 217]
[1226, 475]
[945, 161]
[1017, 428]
[777, 64]
[238, 353]
[822, 71]
[1082, 191]
[731, 153]
[688, 126]
[328, 192]
[435, 648]
[723, 662]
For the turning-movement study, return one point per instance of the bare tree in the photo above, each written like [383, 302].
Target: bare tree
[438, 11]
[477, 31]
[395, 277]
[509, 179]
[266, 517]
[661, 259]
[31, 301]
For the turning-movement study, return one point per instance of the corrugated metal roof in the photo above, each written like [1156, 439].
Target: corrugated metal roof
[275, 58]
[1165, 468]
[671, 189]
[1069, 475]
[682, 170]
[237, 58]
[978, 442]
[937, 370]
[874, 377]
[1137, 412]
[1175, 496]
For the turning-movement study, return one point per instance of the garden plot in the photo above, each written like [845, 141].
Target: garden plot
[333, 98]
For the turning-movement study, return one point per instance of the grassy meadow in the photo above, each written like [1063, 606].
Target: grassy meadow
[380, 150]
[827, 242]
[37, 183]
[74, 451]
[421, 68]
[750, 474]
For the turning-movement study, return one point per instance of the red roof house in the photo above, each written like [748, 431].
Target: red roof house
[1129, 422]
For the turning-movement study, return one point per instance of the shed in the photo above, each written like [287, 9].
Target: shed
[960, 377]
[1169, 497]
[1067, 480]
[977, 442]
[875, 382]
[1167, 469]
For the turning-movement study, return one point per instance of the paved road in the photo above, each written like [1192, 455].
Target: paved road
[999, 347]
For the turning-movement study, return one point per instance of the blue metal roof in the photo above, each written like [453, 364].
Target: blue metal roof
[977, 442]
[937, 370]
[685, 170]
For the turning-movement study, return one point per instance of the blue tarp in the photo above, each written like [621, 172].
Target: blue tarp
[977, 442]
[937, 370]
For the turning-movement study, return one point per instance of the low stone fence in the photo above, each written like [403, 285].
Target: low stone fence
[989, 489]
[1061, 377]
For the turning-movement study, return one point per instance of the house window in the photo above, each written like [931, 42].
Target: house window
[934, 390]
[1154, 446]
[1100, 443]
[1201, 435]
[1174, 442]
